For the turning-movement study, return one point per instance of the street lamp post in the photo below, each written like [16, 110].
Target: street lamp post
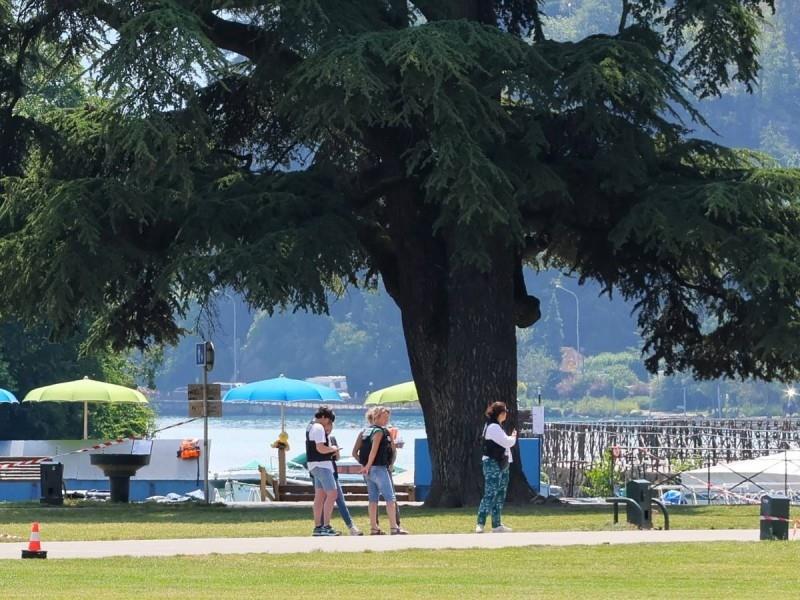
[235, 338]
[577, 322]
[613, 398]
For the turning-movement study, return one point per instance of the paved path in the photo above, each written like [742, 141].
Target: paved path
[288, 545]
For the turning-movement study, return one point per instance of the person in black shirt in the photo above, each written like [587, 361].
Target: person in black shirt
[340, 501]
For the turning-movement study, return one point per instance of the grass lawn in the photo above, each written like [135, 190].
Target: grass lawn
[714, 570]
[92, 521]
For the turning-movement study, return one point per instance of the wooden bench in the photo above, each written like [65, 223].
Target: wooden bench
[293, 492]
[19, 472]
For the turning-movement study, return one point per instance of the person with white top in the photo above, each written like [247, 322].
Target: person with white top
[496, 459]
[320, 456]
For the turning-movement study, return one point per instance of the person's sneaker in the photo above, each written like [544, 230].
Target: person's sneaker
[355, 531]
[502, 529]
[328, 531]
[479, 528]
[398, 531]
[317, 531]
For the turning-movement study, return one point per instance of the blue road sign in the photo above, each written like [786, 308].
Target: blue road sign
[200, 354]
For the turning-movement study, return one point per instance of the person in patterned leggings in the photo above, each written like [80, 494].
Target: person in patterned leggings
[496, 459]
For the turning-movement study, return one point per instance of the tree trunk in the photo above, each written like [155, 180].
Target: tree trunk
[459, 325]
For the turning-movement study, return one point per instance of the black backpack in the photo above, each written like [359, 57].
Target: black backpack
[384, 455]
[366, 446]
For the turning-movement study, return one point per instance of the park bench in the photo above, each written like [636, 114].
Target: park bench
[295, 492]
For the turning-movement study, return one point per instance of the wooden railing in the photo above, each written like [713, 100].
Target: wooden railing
[271, 489]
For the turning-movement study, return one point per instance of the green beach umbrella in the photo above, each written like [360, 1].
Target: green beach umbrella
[85, 390]
[401, 393]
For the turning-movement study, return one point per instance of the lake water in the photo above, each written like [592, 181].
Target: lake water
[238, 440]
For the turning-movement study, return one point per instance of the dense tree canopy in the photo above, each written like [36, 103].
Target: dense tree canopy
[289, 148]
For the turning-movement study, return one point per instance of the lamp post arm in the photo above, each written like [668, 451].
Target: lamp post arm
[577, 323]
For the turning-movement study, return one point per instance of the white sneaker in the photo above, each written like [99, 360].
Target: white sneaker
[355, 531]
[502, 529]
[478, 528]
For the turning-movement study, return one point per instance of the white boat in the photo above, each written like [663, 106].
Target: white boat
[242, 483]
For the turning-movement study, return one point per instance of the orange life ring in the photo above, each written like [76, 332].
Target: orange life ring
[189, 449]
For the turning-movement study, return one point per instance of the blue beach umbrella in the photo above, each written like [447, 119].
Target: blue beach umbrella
[283, 390]
[6, 396]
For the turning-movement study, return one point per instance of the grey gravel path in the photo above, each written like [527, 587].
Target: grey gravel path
[289, 545]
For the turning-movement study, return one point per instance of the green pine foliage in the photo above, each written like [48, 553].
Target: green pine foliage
[264, 146]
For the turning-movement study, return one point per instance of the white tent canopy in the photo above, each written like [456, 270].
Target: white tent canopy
[774, 473]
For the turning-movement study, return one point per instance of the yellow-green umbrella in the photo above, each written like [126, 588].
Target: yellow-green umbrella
[85, 390]
[395, 394]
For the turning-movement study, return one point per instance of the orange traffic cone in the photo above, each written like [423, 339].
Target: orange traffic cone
[34, 545]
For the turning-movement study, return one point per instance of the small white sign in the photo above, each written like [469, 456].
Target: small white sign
[537, 420]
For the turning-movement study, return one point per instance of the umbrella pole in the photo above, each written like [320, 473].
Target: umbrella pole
[282, 466]
[85, 420]
[282, 453]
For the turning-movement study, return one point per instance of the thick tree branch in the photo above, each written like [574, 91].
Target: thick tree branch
[717, 292]
[382, 254]
[32, 30]
[432, 10]
[373, 181]
[364, 197]
[103, 11]
[247, 40]
[534, 246]
[473, 10]
[526, 308]
[398, 13]
[623, 19]
[538, 28]
[250, 41]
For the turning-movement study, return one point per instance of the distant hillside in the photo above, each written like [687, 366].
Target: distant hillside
[362, 337]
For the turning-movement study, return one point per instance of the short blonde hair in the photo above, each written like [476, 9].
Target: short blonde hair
[379, 411]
